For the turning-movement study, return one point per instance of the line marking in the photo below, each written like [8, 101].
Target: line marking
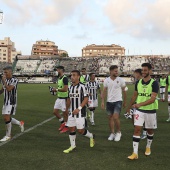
[28, 130]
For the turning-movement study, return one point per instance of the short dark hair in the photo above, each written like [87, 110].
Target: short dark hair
[7, 68]
[112, 67]
[147, 65]
[60, 67]
[139, 70]
[91, 74]
[83, 69]
[76, 71]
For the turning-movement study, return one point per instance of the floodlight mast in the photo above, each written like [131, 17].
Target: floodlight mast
[1, 17]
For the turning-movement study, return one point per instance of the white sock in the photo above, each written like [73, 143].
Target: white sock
[61, 120]
[92, 116]
[8, 129]
[72, 140]
[163, 96]
[14, 121]
[88, 134]
[169, 111]
[136, 140]
[149, 140]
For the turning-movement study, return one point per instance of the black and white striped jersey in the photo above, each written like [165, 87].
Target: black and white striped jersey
[92, 88]
[86, 77]
[10, 98]
[77, 94]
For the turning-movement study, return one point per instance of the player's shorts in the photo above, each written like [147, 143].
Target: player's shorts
[8, 109]
[162, 90]
[113, 107]
[168, 97]
[149, 119]
[93, 103]
[79, 123]
[60, 104]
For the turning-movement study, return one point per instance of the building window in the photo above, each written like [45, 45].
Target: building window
[4, 54]
[4, 58]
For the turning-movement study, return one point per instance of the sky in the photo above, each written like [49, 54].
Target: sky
[141, 26]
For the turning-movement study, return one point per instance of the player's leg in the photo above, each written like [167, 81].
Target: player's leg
[138, 123]
[163, 94]
[57, 107]
[150, 134]
[150, 124]
[80, 124]
[116, 117]
[15, 121]
[110, 109]
[65, 116]
[6, 110]
[144, 133]
[92, 109]
[88, 112]
[72, 136]
[168, 120]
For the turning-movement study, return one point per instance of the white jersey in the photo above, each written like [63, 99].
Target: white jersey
[114, 89]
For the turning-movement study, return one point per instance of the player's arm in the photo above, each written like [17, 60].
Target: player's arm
[166, 88]
[147, 102]
[65, 88]
[134, 97]
[68, 101]
[155, 89]
[124, 96]
[84, 102]
[2, 90]
[132, 101]
[103, 97]
[8, 87]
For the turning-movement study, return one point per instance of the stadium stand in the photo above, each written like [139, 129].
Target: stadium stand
[43, 66]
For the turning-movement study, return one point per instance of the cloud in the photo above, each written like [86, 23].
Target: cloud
[140, 18]
[81, 36]
[39, 12]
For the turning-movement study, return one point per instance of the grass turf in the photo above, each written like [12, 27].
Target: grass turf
[42, 148]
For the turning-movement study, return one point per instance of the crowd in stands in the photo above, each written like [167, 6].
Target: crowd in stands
[99, 65]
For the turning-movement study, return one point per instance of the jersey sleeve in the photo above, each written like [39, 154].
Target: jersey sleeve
[155, 87]
[105, 83]
[14, 82]
[167, 83]
[85, 91]
[136, 85]
[123, 84]
[65, 81]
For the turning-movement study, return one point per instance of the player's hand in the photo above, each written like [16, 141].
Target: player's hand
[102, 105]
[128, 111]
[3, 78]
[136, 106]
[76, 111]
[54, 89]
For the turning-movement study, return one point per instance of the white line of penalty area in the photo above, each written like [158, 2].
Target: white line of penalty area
[27, 130]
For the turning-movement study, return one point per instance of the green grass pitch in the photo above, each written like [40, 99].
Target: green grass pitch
[42, 148]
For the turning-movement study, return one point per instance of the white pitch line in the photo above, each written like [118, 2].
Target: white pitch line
[28, 130]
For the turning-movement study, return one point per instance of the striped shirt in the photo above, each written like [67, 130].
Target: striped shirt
[86, 77]
[77, 94]
[92, 88]
[10, 97]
